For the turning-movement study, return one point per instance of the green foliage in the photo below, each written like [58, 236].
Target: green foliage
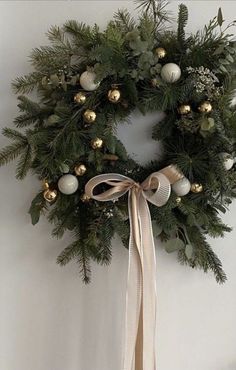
[54, 138]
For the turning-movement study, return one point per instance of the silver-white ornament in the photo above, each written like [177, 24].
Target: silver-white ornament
[68, 184]
[182, 187]
[170, 72]
[87, 81]
[228, 161]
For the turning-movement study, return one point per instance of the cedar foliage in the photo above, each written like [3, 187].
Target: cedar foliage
[52, 132]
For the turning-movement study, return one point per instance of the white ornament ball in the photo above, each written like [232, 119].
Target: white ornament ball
[182, 187]
[87, 81]
[170, 72]
[68, 184]
[228, 161]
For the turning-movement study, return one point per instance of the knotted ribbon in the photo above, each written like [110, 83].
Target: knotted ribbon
[139, 350]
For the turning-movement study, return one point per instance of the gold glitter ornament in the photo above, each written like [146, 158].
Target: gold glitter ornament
[89, 116]
[196, 188]
[97, 143]
[184, 109]
[114, 95]
[205, 107]
[80, 98]
[80, 169]
[50, 195]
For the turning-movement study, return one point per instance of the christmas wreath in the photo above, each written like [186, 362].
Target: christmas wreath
[90, 80]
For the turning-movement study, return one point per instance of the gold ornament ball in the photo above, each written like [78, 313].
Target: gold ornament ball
[50, 195]
[114, 95]
[97, 143]
[205, 107]
[196, 188]
[80, 169]
[184, 109]
[90, 116]
[160, 52]
[85, 198]
[178, 200]
[80, 98]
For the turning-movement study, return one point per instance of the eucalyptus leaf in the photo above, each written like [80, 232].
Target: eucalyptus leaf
[156, 228]
[207, 124]
[54, 80]
[230, 58]
[54, 118]
[189, 251]
[173, 245]
[64, 168]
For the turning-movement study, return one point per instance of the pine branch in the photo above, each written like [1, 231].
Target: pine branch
[124, 21]
[77, 250]
[14, 135]
[10, 152]
[27, 83]
[182, 22]
[24, 163]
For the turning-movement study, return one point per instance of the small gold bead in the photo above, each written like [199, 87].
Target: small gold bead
[160, 52]
[85, 198]
[45, 185]
[178, 200]
[155, 82]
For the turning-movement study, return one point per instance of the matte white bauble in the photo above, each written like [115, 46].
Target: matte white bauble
[68, 184]
[87, 81]
[182, 187]
[228, 161]
[170, 72]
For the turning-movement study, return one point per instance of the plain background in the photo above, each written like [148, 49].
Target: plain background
[48, 319]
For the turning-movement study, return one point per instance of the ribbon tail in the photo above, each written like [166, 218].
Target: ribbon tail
[134, 290]
[149, 287]
[141, 289]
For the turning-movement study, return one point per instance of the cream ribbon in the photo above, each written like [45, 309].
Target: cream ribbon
[139, 350]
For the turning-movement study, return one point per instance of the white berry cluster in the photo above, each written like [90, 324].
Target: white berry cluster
[204, 81]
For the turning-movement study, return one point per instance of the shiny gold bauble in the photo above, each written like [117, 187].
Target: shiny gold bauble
[85, 198]
[89, 116]
[178, 200]
[160, 52]
[80, 169]
[114, 95]
[45, 185]
[184, 109]
[196, 188]
[205, 107]
[50, 195]
[80, 98]
[97, 143]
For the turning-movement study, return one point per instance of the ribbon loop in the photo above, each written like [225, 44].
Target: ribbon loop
[139, 351]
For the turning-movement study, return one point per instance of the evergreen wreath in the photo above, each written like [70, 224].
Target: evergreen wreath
[90, 80]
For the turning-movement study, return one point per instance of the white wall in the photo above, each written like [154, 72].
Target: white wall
[48, 319]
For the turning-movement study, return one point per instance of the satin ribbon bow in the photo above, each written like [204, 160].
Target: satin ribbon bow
[139, 351]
